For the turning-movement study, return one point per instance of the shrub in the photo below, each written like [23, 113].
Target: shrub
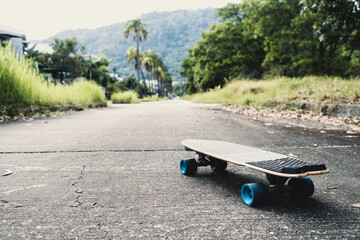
[125, 97]
[22, 88]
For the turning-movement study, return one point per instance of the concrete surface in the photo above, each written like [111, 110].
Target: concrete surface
[337, 110]
[114, 174]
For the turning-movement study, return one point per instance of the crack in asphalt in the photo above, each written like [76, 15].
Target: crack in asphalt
[94, 151]
[78, 192]
[6, 202]
[163, 150]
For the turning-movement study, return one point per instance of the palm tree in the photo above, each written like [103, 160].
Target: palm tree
[149, 61]
[160, 75]
[140, 33]
[164, 78]
[134, 57]
[158, 70]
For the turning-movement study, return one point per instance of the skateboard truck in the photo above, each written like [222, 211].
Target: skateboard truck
[276, 180]
[189, 166]
[202, 160]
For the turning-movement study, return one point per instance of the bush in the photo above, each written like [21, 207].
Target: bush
[125, 97]
[22, 88]
[283, 91]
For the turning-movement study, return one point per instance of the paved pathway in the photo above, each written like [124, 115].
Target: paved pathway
[114, 174]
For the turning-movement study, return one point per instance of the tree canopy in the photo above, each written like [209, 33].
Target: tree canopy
[68, 58]
[276, 37]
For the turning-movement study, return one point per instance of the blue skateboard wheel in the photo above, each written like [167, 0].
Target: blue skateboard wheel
[188, 166]
[253, 193]
[301, 188]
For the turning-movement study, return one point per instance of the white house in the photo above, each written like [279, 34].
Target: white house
[16, 37]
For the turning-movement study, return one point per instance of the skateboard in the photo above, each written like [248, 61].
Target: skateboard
[277, 167]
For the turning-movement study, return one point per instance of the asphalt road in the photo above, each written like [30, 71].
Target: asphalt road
[114, 174]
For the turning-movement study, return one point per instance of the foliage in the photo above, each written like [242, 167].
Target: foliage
[67, 57]
[153, 98]
[283, 92]
[99, 71]
[115, 87]
[125, 97]
[153, 64]
[21, 87]
[336, 27]
[224, 52]
[140, 33]
[139, 29]
[159, 79]
[276, 38]
[179, 90]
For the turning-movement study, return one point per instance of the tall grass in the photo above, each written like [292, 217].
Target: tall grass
[22, 87]
[284, 91]
[125, 97]
[153, 98]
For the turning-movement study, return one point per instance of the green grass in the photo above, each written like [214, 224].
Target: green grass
[125, 97]
[22, 88]
[133, 97]
[153, 98]
[283, 92]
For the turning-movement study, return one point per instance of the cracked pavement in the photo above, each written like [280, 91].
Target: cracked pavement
[114, 174]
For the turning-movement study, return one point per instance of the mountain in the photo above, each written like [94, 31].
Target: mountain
[170, 35]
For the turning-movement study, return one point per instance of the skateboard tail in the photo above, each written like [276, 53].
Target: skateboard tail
[290, 166]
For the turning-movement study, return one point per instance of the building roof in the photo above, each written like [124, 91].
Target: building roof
[12, 32]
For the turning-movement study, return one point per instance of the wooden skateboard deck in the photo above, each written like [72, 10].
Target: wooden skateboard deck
[277, 167]
[257, 159]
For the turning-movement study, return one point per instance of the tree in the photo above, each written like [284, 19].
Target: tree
[226, 51]
[336, 27]
[188, 65]
[133, 56]
[148, 63]
[277, 37]
[140, 33]
[231, 12]
[156, 69]
[287, 37]
[67, 57]
[307, 37]
[99, 71]
[162, 75]
[40, 60]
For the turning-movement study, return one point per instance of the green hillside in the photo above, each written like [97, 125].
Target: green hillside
[171, 34]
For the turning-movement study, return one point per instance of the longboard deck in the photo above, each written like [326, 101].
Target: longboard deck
[254, 158]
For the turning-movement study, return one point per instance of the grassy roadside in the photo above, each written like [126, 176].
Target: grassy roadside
[133, 97]
[153, 98]
[23, 91]
[283, 93]
[125, 97]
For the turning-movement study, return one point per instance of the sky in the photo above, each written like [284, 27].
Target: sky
[41, 19]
